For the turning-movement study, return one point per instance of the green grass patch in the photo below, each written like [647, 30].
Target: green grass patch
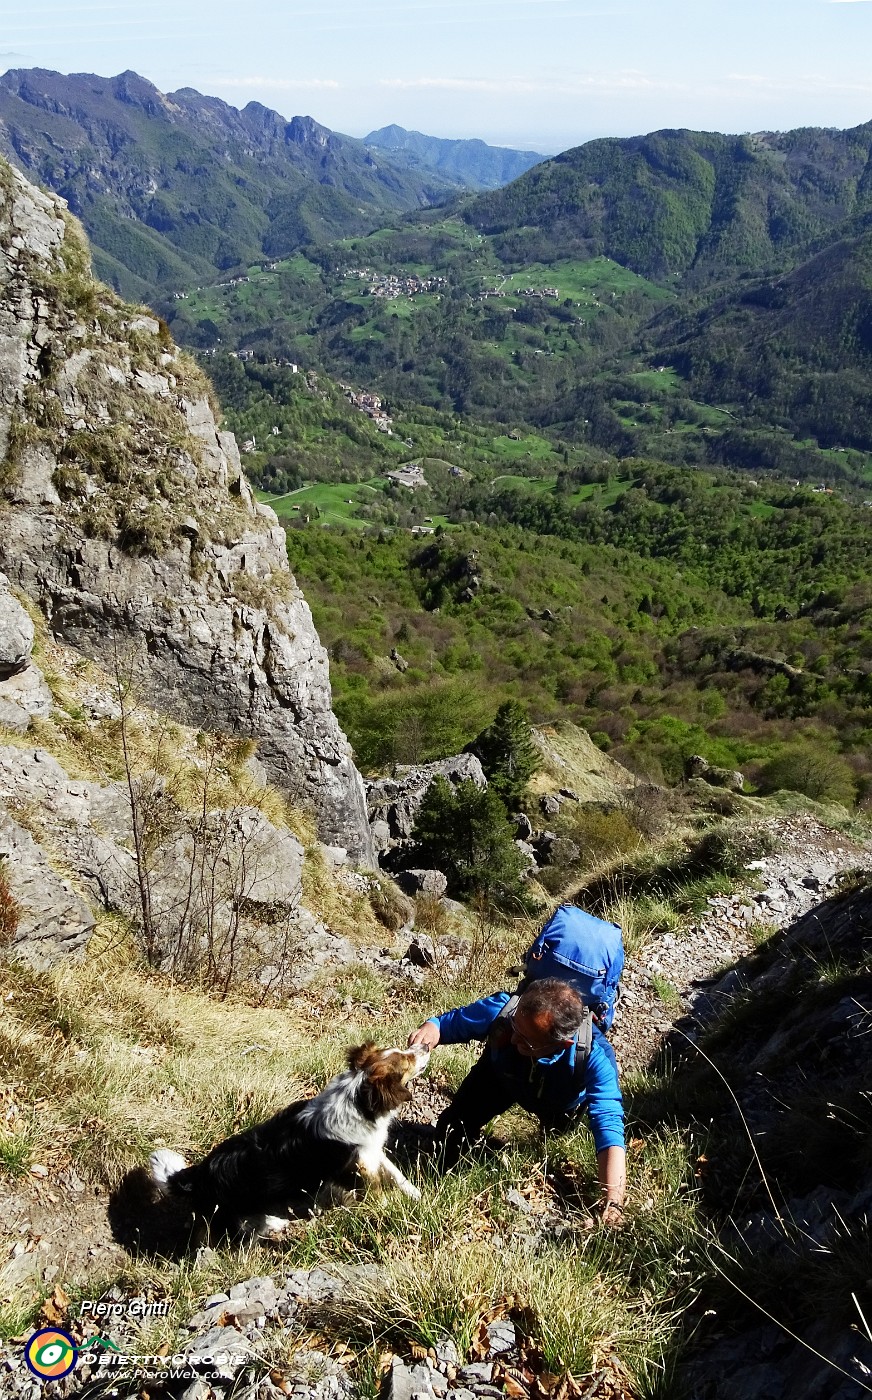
[655, 379]
[597, 279]
[529, 445]
[336, 504]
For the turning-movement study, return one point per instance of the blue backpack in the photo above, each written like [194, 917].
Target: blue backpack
[586, 952]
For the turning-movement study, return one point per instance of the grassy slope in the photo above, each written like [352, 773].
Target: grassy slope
[121, 1053]
[105, 1044]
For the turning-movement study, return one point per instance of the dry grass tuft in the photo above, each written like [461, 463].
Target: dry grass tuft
[9, 910]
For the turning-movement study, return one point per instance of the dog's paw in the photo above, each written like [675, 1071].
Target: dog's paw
[269, 1227]
[411, 1191]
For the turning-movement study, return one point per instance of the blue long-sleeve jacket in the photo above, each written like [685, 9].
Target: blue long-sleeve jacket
[550, 1081]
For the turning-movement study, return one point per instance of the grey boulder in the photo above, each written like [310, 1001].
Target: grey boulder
[16, 633]
[415, 882]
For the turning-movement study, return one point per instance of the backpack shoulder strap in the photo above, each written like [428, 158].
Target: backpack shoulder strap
[583, 1042]
[509, 1008]
[497, 1037]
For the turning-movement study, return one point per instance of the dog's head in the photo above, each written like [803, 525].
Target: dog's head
[387, 1073]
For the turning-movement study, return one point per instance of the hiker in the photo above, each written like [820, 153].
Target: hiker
[535, 1056]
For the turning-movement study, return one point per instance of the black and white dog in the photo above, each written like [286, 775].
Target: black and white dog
[316, 1151]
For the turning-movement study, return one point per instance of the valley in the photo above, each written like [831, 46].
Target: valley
[668, 612]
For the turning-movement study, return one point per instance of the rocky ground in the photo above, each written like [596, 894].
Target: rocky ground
[229, 1335]
[805, 867]
[60, 1230]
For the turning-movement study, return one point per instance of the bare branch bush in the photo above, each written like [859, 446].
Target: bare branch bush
[211, 895]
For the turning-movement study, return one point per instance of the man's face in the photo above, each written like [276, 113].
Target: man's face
[532, 1036]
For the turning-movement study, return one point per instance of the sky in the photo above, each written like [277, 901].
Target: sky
[543, 75]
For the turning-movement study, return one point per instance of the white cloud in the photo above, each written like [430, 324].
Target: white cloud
[802, 83]
[614, 82]
[273, 84]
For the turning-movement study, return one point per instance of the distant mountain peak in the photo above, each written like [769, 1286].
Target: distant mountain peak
[470, 162]
[389, 134]
[305, 131]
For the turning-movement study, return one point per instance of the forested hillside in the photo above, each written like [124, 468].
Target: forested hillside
[607, 361]
[687, 296]
[796, 348]
[689, 204]
[667, 611]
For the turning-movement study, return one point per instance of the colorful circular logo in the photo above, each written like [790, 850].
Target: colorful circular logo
[51, 1353]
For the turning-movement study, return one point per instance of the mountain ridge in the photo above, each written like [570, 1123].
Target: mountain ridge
[472, 163]
[683, 203]
[221, 187]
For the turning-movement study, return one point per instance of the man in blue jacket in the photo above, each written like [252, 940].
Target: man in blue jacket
[530, 1059]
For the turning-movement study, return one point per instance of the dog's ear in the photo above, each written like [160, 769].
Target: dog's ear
[359, 1056]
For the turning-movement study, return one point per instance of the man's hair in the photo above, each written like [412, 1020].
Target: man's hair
[558, 1001]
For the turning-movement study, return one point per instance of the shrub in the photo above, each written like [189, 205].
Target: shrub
[822, 776]
[652, 810]
[603, 835]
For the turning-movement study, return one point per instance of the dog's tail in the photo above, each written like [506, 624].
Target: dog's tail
[163, 1166]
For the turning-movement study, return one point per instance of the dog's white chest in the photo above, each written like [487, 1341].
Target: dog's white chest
[372, 1149]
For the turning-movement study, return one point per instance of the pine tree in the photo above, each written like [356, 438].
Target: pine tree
[506, 752]
[463, 831]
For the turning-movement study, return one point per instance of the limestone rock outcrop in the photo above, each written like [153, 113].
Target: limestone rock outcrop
[53, 921]
[698, 767]
[393, 803]
[224, 890]
[128, 521]
[23, 689]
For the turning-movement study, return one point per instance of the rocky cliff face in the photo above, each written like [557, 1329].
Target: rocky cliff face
[127, 519]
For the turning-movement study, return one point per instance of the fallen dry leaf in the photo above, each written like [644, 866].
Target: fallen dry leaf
[514, 1386]
[548, 1381]
[54, 1309]
[481, 1341]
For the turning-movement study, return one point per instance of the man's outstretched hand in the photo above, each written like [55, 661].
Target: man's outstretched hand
[612, 1215]
[426, 1034]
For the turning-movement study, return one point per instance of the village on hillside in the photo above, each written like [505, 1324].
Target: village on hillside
[389, 286]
